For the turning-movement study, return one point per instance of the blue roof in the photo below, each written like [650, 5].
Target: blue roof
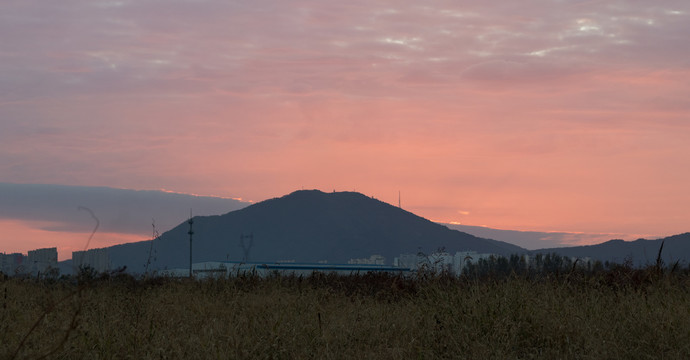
[317, 266]
[332, 267]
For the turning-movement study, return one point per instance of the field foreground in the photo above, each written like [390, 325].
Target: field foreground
[624, 314]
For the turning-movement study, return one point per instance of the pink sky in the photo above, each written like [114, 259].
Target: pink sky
[525, 115]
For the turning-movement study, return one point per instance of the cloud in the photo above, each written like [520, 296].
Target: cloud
[189, 49]
[56, 208]
[483, 101]
[507, 73]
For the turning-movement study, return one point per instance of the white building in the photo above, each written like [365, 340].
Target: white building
[12, 264]
[41, 261]
[97, 259]
[410, 261]
[439, 261]
[372, 260]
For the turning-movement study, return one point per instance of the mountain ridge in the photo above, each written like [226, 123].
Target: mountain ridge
[306, 225]
[640, 252]
[311, 226]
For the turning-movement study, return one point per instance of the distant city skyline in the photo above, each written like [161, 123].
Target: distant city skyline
[535, 115]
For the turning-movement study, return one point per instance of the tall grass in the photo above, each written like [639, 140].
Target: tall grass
[619, 313]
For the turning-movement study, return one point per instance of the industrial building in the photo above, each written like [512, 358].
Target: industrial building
[230, 268]
[373, 260]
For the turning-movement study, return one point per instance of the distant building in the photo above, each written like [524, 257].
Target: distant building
[439, 261]
[13, 264]
[97, 259]
[410, 261]
[41, 261]
[462, 258]
[231, 268]
[372, 260]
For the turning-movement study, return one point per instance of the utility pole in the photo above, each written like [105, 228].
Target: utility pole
[191, 232]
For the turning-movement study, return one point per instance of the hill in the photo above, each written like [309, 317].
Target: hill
[307, 225]
[640, 252]
[533, 240]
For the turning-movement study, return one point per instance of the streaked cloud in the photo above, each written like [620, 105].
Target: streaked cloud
[34, 214]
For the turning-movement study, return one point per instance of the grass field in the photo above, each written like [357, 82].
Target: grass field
[615, 314]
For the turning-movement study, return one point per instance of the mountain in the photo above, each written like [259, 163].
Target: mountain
[641, 252]
[526, 239]
[305, 226]
[538, 239]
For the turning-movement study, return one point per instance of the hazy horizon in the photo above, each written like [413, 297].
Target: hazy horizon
[535, 115]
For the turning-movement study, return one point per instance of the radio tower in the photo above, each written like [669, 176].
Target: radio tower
[191, 232]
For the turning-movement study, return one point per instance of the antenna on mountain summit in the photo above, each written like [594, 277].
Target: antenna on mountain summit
[190, 232]
[399, 199]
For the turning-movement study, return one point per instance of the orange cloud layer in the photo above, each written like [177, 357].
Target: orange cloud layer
[569, 116]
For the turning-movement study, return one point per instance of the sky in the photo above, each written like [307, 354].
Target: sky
[524, 115]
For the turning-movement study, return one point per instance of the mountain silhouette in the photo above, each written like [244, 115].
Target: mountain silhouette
[641, 252]
[304, 226]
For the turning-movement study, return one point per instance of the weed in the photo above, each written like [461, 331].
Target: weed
[622, 312]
